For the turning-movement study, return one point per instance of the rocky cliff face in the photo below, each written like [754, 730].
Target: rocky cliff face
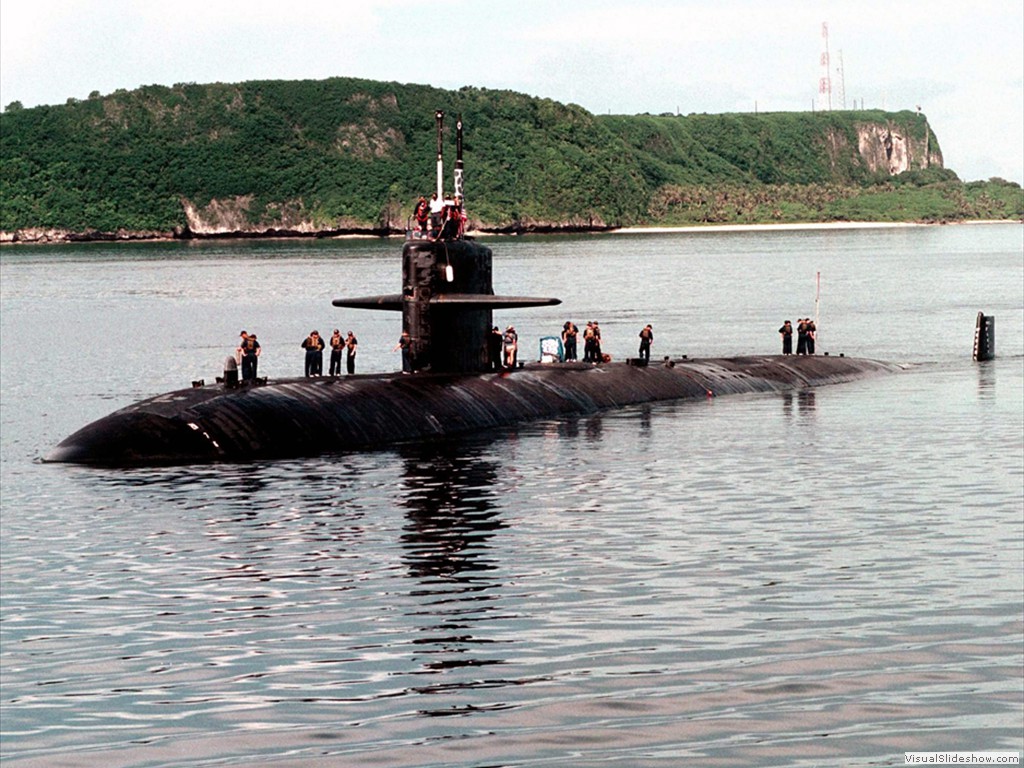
[888, 148]
[234, 216]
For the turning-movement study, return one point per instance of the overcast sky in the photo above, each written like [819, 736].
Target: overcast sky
[962, 62]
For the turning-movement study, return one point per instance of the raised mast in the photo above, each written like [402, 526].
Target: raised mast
[458, 161]
[439, 117]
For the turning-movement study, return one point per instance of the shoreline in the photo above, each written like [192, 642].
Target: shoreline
[59, 237]
[810, 225]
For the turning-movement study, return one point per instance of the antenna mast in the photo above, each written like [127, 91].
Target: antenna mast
[825, 81]
[842, 80]
[439, 117]
[458, 160]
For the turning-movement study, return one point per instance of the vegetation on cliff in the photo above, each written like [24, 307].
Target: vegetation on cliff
[345, 154]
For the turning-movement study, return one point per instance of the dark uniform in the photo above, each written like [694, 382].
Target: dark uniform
[250, 357]
[787, 338]
[646, 338]
[314, 347]
[337, 344]
[405, 344]
[351, 342]
[801, 337]
[495, 342]
[569, 334]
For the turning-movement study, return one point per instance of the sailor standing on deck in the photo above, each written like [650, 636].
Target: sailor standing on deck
[351, 343]
[314, 347]
[337, 344]
[248, 352]
[405, 344]
[495, 341]
[569, 334]
[801, 337]
[511, 347]
[786, 331]
[646, 339]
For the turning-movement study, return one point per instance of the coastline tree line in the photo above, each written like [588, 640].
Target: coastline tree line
[353, 155]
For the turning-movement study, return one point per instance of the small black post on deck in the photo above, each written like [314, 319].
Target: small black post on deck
[985, 337]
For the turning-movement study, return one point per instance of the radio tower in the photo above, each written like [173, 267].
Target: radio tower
[825, 82]
[842, 80]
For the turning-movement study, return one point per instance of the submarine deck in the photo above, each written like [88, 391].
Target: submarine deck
[309, 416]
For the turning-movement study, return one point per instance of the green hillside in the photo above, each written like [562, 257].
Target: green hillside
[352, 155]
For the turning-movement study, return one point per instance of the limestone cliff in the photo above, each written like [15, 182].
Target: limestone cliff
[887, 147]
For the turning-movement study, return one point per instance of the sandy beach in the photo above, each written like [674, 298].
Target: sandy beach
[795, 226]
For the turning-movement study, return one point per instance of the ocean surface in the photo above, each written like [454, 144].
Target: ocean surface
[832, 577]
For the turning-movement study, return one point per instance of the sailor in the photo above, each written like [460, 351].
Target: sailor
[422, 215]
[812, 332]
[495, 342]
[511, 346]
[314, 347]
[569, 334]
[238, 350]
[249, 351]
[801, 337]
[598, 356]
[436, 206]
[337, 344]
[405, 344]
[646, 339]
[786, 331]
[453, 219]
[351, 343]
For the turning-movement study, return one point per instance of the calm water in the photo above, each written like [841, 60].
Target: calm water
[828, 578]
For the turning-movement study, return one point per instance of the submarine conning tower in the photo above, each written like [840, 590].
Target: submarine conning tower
[445, 336]
[447, 299]
[447, 303]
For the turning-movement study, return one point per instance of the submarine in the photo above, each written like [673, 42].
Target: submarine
[447, 386]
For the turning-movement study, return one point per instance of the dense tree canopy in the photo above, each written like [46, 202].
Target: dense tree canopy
[354, 154]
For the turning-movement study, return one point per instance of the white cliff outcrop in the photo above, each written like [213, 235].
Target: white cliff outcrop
[887, 148]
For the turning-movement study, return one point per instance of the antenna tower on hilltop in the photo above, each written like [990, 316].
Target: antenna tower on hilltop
[825, 82]
[842, 81]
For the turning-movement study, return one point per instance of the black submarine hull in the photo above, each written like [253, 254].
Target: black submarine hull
[292, 418]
